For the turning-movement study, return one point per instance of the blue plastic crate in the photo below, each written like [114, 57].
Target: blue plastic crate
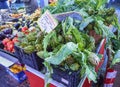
[67, 77]
[31, 60]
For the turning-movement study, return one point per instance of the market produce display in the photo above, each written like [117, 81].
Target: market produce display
[72, 45]
[7, 39]
[96, 19]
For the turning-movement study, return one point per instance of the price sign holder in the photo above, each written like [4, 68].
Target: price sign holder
[47, 22]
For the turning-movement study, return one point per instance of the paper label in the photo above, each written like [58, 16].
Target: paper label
[47, 22]
[65, 81]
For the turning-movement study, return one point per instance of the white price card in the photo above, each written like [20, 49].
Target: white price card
[47, 22]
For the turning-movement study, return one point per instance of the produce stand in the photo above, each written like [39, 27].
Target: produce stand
[36, 78]
[63, 44]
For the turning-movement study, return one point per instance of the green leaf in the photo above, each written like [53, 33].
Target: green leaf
[106, 32]
[90, 46]
[43, 54]
[75, 67]
[116, 22]
[77, 35]
[91, 74]
[82, 12]
[80, 57]
[100, 3]
[67, 25]
[47, 39]
[85, 22]
[116, 58]
[48, 74]
[62, 54]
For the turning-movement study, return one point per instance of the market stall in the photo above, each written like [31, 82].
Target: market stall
[65, 43]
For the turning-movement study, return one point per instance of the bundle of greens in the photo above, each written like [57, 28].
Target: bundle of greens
[71, 49]
[70, 45]
[30, 42]
[96, 16]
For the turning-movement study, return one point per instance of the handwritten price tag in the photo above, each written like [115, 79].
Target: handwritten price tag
[47, 22]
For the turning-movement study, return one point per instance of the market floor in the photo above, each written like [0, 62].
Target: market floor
[8, 81]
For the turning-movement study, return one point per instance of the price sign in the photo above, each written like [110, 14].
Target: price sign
[47, 22]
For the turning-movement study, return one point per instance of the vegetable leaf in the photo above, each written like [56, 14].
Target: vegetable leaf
[101, 3]
[85, 22]
[105, 29]
[48, 74]
[62, 54]
[47, 39]
[91, 74]
[116, 58]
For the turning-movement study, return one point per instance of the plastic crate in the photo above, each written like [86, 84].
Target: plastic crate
[66, 77]
[1, 45]
[72, 78]
[31, 60]
[18, 53]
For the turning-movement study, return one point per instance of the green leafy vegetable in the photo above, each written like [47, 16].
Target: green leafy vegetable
[85, 22]
[116, 58]
[47, 39]
[91, 74]
[48, 74]
[61, 55]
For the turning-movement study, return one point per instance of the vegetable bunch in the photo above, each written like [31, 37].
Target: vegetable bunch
[69, 48]
[30, 40]
[70, 45]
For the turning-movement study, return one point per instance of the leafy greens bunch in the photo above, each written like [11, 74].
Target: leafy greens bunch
[95, 15]
[70, 49]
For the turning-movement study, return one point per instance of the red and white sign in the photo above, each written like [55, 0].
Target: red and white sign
[110, 78]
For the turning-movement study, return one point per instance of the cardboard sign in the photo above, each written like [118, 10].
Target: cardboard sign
[47, 22]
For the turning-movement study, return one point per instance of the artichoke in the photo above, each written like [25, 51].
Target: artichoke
[93, 59]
